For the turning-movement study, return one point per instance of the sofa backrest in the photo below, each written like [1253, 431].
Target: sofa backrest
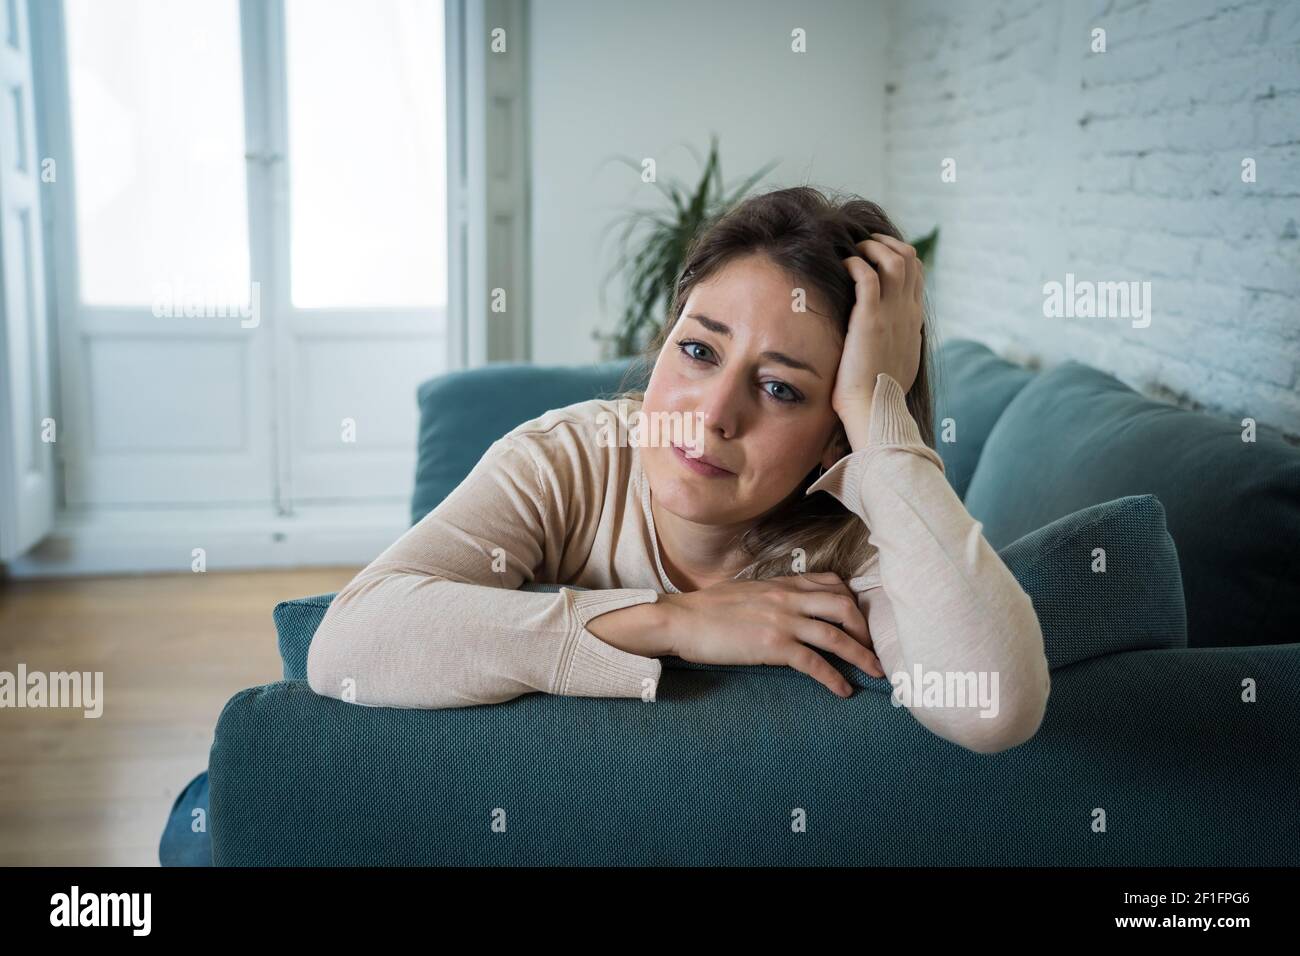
[464, 412]
[1076, 436]
[972, 387]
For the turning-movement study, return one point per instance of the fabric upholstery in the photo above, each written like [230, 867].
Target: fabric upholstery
[463, 412]
[1075, 436]
[717, 769]
[972, 388]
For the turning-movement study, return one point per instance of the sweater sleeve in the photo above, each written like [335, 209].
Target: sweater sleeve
[935, 594]
[436, 620]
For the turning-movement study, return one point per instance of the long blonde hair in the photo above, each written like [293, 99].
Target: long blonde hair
[808, 235]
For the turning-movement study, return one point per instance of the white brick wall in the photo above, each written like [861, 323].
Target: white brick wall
[1115, 166]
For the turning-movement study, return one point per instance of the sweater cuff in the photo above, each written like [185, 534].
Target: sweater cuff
[891, 422]
[599, 669]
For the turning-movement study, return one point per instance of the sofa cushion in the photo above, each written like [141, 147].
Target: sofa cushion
[1136, 603]
[463, 412]
[1076, 436]
[972, 386]
[295, 623]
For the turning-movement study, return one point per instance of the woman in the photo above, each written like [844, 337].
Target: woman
[796, 342]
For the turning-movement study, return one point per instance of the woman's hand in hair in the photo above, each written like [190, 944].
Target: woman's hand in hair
[884, 327]
[774, 621]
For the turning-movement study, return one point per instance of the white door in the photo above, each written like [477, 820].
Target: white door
[362, 221]
[250, 247]
[166, 384]
[28, 429]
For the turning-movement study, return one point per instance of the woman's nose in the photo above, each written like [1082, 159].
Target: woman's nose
[720, 405]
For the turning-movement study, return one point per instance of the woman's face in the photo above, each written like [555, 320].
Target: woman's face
[764, 421]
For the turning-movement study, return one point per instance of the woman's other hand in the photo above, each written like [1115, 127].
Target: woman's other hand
[774, 621]
[885, 325]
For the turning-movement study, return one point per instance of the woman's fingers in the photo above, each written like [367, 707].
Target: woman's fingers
[831, 599]
[912, 285]
[821, 581]
[867, 282]
[803, 658]
[830, 638]
[826, 601]
[816, 580]
[836, 607]
[889, 263]
[915, 267]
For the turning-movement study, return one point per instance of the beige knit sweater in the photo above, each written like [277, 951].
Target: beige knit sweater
[436, 620]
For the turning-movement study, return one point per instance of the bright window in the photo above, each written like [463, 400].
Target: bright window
[367, 153]
[158, 141]
[157, 118]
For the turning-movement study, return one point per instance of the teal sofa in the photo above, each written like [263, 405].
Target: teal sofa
[1169, 737]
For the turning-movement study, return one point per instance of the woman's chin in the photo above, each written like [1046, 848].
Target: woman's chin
[677, 491]
[698, 500]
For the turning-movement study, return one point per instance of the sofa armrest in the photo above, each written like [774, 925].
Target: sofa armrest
[295, 624]
[712, 771]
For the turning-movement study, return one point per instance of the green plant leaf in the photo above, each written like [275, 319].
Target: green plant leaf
[925, 245]
[652, 245]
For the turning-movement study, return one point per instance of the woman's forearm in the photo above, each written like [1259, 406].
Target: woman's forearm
[942, 601]
[397, 637]
[640, 629]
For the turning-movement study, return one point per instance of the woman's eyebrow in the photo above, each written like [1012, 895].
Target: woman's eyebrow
[725, 330]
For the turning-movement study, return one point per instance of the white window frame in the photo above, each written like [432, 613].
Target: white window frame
[487, 182]
[487, 208]
[28, 472]
[267, 171]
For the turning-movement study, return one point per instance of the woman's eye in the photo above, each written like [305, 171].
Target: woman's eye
[687, 345]
[790, 393]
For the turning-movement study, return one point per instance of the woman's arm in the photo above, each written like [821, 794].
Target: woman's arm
[437, 621]
[935, 593]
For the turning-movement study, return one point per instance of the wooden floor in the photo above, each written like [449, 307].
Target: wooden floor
[83, 791]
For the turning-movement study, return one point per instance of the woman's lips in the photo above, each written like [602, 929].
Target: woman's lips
[700, 467]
